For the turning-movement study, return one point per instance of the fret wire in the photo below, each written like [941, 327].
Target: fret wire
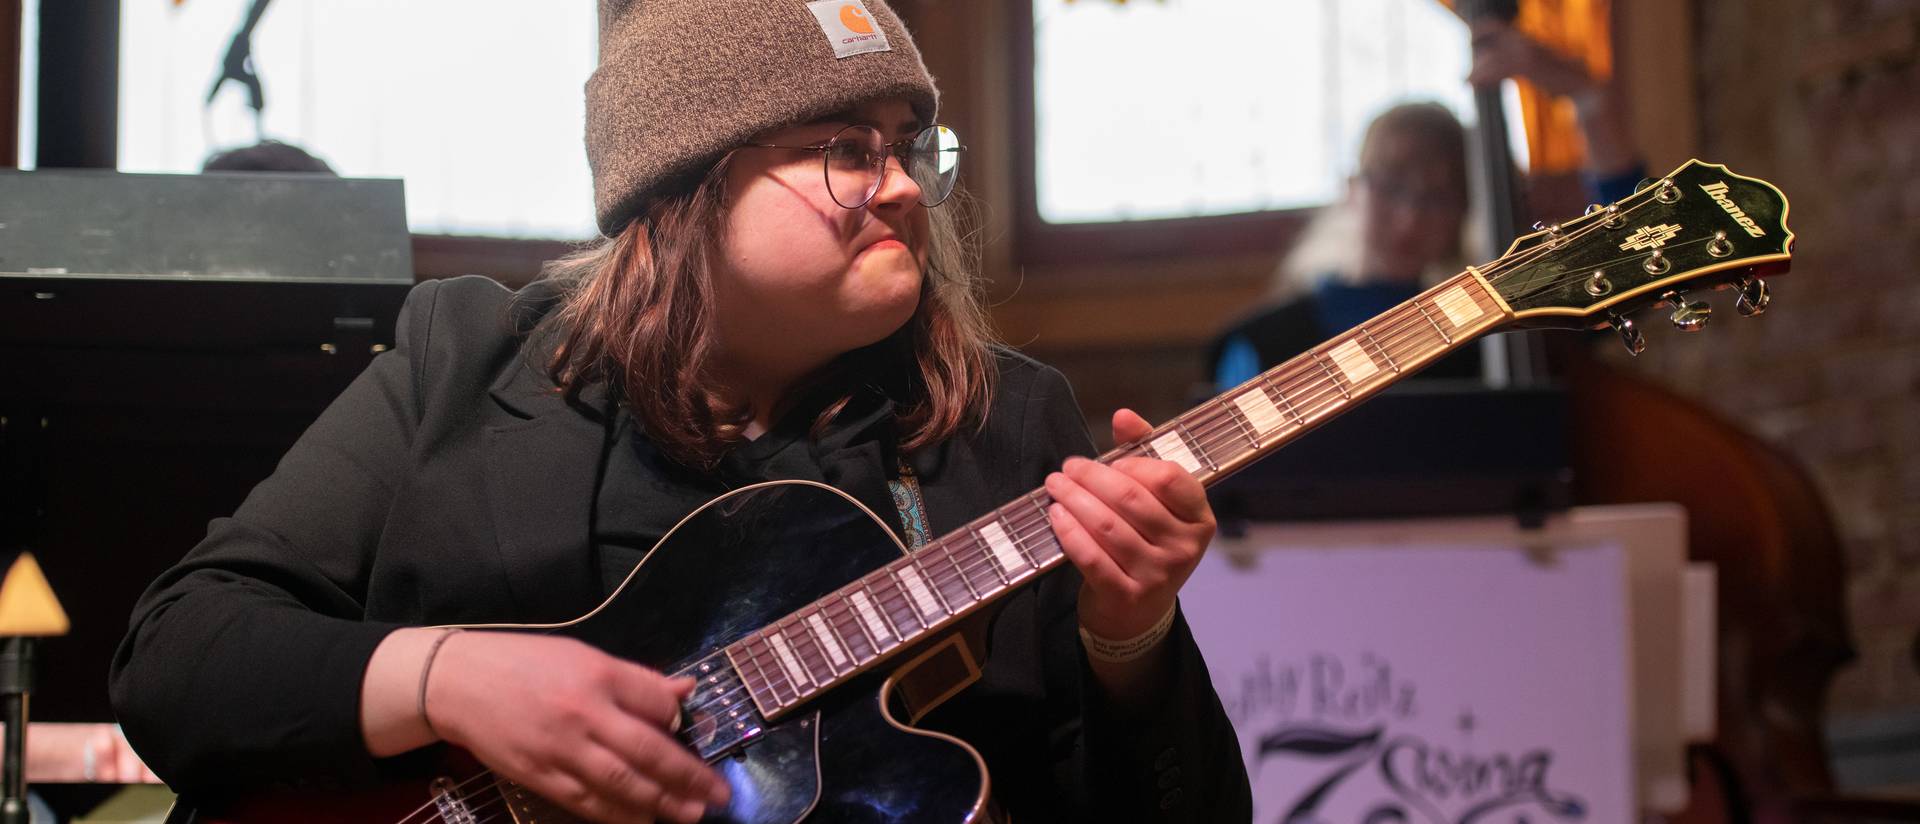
[755, 657]
[946, 551]
[1321, 362]
[1430, 322]
[880, 607]
[900, 600]
[931, 585]
[774, 650]
[1044, 522]
[993, 559]
[1182, 431]
[1413, 339]
[1212, 435]
[801, 655]
[907, 601]
[1036, 498]
[1410, 336]
[1391, 363]
[833, 626]
[819, 645]
[1268, 381]
[772, 694]
[1240, 418]
[860, 624]
[1434, 342]
[991, 563]
[1223, 426]
[1013, 534]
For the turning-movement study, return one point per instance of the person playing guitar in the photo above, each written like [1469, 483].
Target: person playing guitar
[778, 298]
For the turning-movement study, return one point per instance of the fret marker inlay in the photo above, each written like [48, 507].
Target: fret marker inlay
[1260, 410]
[1458, 306]
[826, 639]
[917, 587]
[1172, 447]
[1354, 361]
[1002, 546]
[788, 661]
[863, 606]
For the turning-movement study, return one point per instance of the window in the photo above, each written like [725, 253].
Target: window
[1160, 127]
[477, 104]
[1190, 108]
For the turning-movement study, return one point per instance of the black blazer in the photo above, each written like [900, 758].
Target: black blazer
[450, 484]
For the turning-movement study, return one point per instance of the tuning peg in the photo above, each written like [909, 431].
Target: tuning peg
[1629, 333]
[1753, 296]
[1614, 219]
[1719, 247]
[1688, 316]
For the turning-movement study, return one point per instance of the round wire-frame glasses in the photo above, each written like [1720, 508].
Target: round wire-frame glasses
[855, 162]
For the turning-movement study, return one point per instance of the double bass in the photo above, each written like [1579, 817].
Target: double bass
[1752, 511]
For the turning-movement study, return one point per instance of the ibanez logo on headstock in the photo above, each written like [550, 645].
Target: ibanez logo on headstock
[1718, 191]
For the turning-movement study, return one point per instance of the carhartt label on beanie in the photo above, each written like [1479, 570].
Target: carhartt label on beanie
[848, 27]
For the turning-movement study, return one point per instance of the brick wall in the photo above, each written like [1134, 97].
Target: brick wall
[1822, 97]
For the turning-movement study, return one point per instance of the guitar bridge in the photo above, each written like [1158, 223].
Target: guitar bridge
[452, 808]
[720, 715]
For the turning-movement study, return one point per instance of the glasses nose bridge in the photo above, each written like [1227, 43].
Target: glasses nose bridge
[890, 163]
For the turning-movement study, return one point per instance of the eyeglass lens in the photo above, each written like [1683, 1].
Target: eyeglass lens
[856, 163]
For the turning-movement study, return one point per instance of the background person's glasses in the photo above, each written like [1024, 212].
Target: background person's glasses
[856, 162]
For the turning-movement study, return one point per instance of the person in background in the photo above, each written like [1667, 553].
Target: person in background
[1403, 223]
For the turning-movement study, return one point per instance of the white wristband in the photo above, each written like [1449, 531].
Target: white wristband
[1110, 651]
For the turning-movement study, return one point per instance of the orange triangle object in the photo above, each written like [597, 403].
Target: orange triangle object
[27, 605]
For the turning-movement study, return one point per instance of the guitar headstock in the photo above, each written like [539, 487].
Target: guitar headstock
[1698, 227]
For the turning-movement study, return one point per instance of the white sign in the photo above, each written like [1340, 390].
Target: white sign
[1439, 685]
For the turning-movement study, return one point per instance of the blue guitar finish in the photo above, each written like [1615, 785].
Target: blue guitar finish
[738, 564]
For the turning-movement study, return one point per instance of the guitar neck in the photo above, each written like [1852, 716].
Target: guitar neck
[787, 663]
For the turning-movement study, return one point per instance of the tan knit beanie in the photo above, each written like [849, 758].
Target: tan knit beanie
[681, 82]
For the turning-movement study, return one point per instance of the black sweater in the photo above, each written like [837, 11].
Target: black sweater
[450, 484]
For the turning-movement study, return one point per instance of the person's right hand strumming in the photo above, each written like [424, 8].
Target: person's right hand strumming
[578, 727]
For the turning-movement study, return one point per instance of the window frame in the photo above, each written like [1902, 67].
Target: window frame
[1038, 242]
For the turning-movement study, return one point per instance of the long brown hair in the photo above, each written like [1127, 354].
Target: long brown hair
[637, 314]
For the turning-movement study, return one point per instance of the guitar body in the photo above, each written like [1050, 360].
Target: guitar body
[737, 564]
